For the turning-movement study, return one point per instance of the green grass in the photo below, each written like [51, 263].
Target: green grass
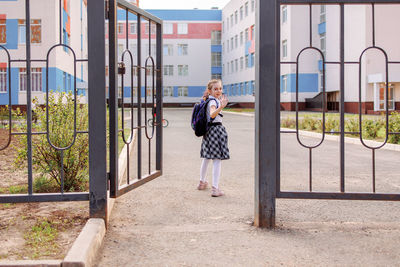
[41, 238]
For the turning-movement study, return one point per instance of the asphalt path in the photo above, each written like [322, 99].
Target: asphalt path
[167, 222]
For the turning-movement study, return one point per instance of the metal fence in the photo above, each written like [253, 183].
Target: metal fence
[134, 69]
[97, 12]
[268, 131]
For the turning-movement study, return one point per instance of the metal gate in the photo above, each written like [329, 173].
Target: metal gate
[268, 131]
[97, 12]
[126, 63]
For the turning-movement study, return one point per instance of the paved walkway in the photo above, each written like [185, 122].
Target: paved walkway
[168, 223]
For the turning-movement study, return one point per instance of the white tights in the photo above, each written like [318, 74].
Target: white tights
[216, 171]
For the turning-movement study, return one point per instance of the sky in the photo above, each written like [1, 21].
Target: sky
[182, 4]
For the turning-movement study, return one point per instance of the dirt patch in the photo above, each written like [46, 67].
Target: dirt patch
[34, 230]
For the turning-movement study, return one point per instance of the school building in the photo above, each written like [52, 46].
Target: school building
[202, 44]
[45, 32]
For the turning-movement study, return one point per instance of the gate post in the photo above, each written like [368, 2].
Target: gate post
[267, 112]
[97, 110]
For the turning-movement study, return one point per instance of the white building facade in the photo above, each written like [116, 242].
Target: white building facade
[326, 37]
[45, 33]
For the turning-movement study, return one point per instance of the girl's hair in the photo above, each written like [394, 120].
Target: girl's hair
[210, 86]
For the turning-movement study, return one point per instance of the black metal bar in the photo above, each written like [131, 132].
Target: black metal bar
[28, 94]
[373, 170]
[341, 107]
[139, 96]
[97, 110]
[373, 24]
[113, 97]
[138, 182]
[159, 104]
[344, 196]
[310, 24]
[9, 100]
[51, 197]
[267, 139]
[310, 168]
[59, 21]
[62, 171]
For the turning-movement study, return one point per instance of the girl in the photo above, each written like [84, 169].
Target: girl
[215, 142]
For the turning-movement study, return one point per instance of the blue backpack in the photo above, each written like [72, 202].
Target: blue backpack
[199, 123]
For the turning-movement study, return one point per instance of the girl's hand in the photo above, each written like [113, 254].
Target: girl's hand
[224, 101]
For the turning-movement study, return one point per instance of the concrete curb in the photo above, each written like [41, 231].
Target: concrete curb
[348, 140]
[85, 247]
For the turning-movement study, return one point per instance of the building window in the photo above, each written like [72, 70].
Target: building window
[284, 83]
[236, 17]
[215, 59]
[322, 40]
[3, 32]
[231, 20]
[284, 48]
[322, 16]
[241, 12]
[182, 28]
[21, 32]
[216, 37]
[253, 32]
[168, 91]
[153, 29]
[216, 76]
[36, 79]
[168, 70]
[253, 87]
[252, 59]
[236, 41]
[241, 63]
[223, 69]
[246, 61]
[168, 28]
[120, 28]
[253, 5]
[284, 14]
[182, 49]
[183, 70]
[168, 50]
[223, 26]
[236, 65]
[232, 43]
[382, 94]
[246, 9]
[241, 38]
[223, 48]
[246, 34]
[133, 28]
[3, 80]
[183, 91]
[227, 68]
[227, 23]
[36, 31]
[321, 79]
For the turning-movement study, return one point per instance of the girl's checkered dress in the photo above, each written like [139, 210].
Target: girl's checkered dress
[215, 143]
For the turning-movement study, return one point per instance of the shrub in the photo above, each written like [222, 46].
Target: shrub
[394, 127]
[288, 122]
[370, 128]
[332, 124]
[310, 124]
[46, 159]
[351, 125]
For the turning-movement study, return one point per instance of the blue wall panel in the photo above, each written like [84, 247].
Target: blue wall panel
[216, 70]
[196, 91]
[12, 34]
[308, 82]
[322, 28]
[175, 14]
[216, 48]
